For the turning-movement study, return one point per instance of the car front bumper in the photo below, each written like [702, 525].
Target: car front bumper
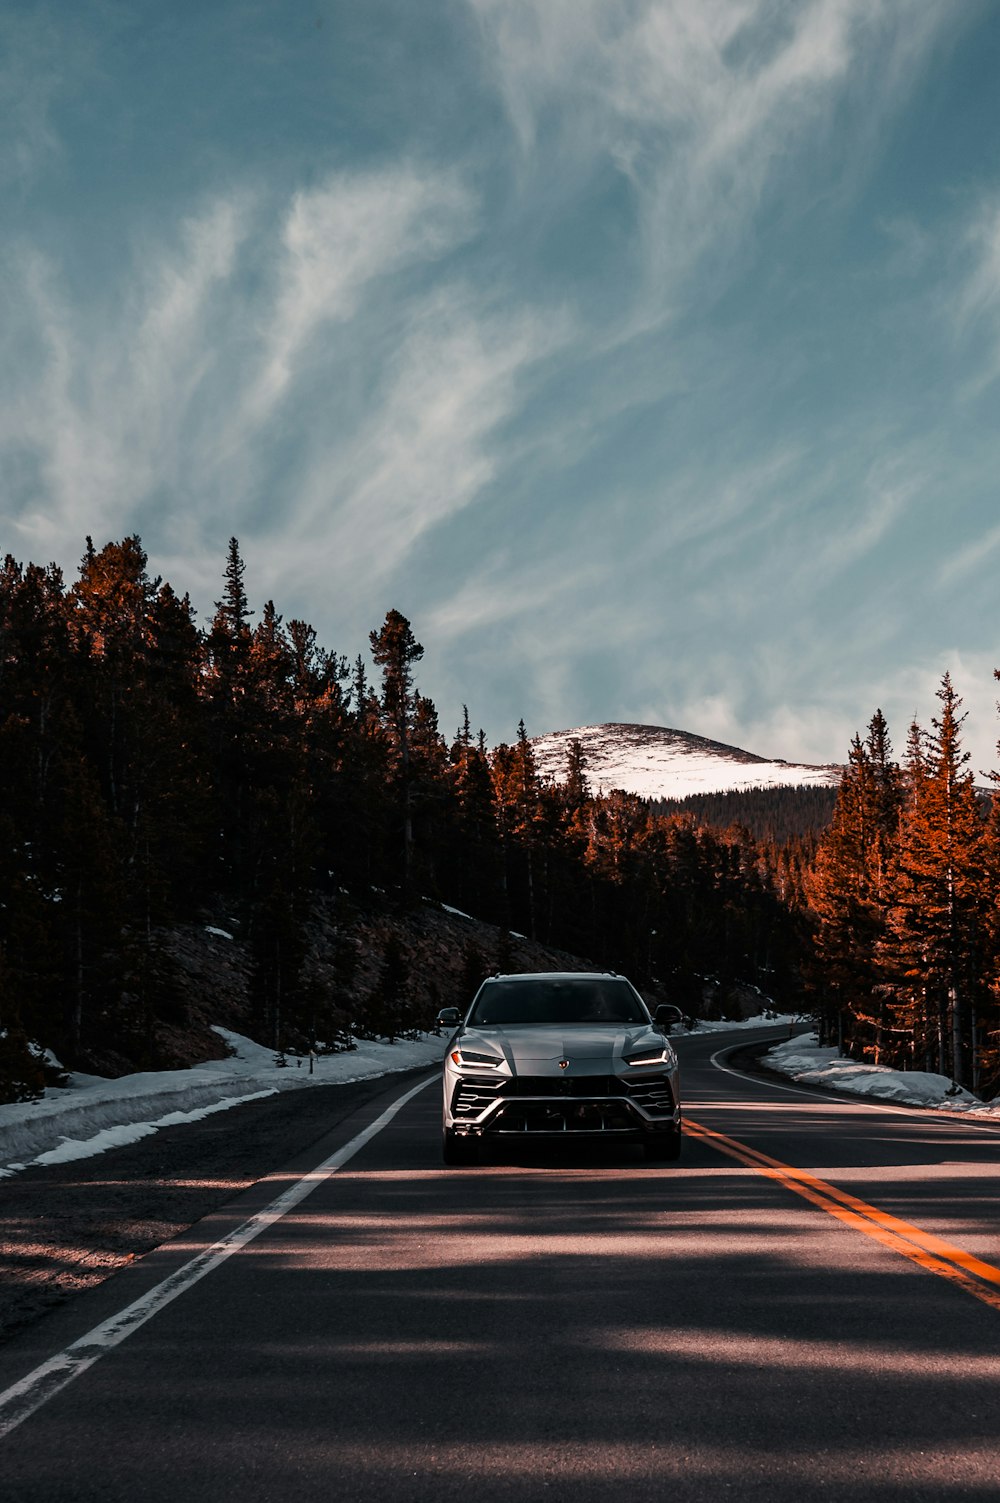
[579, 1105]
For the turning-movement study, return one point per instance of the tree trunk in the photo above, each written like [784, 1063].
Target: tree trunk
[955, 1011]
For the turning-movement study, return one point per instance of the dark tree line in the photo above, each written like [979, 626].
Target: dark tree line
[778, 816]
[151, 768]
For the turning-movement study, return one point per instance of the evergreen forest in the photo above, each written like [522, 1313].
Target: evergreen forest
[154, 770]
[775, 815]
[904, 906]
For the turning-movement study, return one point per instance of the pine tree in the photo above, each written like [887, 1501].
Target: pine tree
[576, 789]
[474, 861]
[986, 1020]
[937, 917]
[395, 650]
[233, 611]
[170, 811]
[226, 683]
[986, 1017]
[111, 611]
[850, 892]
[35, 666]
[517, 788]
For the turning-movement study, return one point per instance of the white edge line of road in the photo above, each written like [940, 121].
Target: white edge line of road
[51, 1377]
[898, 1110]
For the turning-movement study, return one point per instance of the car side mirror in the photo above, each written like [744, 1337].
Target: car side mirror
[449, 1017]
[667, 1016]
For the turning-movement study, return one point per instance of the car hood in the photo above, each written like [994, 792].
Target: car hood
[596, 1047]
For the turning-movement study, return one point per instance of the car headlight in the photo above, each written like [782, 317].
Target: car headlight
[656, 1057]
[466, 1057]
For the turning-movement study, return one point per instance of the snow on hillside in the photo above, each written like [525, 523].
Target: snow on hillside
[654, 762]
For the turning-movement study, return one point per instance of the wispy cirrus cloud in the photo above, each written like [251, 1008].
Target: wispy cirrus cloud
[972, 303]
[336, 242]
[101, 405]
[970, 558]
[980, 293]
[288, 362]
[427, 446]
[705, 108]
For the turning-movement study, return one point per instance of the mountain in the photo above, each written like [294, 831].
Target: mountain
[655, 762]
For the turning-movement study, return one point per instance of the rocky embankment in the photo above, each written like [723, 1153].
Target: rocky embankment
[439, 956]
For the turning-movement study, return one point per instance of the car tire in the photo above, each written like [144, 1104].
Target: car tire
[457, 1150]
[665, 1146]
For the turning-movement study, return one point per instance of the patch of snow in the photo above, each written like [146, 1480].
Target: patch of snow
[131, 1132]
[802, 1059]
[457, 912]
[724, 1025]
[222, 933]
[94, 1114]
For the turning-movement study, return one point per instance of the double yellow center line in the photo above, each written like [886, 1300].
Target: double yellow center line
[922, 1248]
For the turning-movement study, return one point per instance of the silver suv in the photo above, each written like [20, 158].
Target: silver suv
[560, 1055]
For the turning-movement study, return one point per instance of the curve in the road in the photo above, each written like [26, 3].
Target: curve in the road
[830, 1093]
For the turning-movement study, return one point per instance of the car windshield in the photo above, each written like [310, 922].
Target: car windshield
[592, 1000]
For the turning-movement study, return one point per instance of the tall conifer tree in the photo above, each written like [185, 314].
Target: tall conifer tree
[395, 650]
[850, 893]
[937, 914]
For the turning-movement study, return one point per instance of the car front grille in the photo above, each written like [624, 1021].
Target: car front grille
[565, 1085]
[564, 1115]
[561, 1104]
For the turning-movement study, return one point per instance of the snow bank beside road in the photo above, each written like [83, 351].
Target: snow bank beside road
[728, 1025]
[802, 1059]
[93, 1114]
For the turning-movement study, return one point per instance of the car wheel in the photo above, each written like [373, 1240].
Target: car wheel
[665, 1145]
[456, 1150]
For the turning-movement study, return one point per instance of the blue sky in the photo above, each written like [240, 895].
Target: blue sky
[645, 353]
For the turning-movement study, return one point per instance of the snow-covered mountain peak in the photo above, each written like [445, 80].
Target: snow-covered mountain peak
[656, 762]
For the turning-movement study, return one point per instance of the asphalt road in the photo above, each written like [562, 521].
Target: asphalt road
[751, 1322]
